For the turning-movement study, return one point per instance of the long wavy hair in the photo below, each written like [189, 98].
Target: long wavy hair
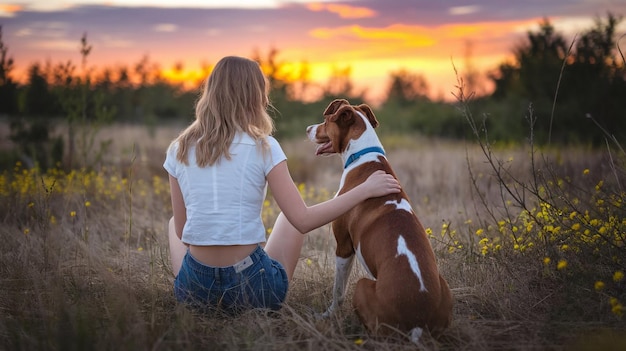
[234, 98]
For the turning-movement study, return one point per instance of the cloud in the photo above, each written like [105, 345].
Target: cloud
[49, 5]
[344, 11]
[44, 30]
[413, 36]
[59, 44]
[56, 5]
[463, 10]
[165, 27]
[24, 32]
[9, 10]
[484, 31]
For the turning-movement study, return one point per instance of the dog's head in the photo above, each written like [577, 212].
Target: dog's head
[342, 123]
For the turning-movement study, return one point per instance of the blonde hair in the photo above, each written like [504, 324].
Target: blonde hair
[234, 99]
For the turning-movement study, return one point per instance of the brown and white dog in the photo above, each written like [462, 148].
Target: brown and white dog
[406, 291]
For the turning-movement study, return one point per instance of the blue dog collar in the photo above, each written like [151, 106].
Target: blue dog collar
[355, 156]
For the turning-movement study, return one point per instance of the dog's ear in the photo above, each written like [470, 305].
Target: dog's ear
[365, 109]
[334, 106]
[344, 115]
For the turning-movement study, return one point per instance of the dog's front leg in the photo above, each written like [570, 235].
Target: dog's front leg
[343, 266]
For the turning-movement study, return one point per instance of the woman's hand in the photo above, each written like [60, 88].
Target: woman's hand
[380, 183]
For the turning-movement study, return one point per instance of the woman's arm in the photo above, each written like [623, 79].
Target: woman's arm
[306, 218]
[178, 206]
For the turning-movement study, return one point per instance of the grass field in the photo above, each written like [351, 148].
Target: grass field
[532, 243]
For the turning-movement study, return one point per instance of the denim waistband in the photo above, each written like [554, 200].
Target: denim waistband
[216, 272]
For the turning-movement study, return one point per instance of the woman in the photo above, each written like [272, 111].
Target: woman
[219, 168]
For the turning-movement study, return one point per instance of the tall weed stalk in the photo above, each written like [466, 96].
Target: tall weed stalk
[567, 224]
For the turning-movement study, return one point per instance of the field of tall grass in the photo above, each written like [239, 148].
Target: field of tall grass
[531, 241]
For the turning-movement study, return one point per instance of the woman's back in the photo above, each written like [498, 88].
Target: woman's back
[224, 200]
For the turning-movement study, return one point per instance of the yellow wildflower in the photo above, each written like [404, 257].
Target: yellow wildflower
[546, 261]
[484, 250]
[618, 276]
[599, 185]
[73, 214]
[586, 171]
[87, 203]
[529, 227]
[599, 285]
[26, 231]
[561, 265]
[616, 307]
[358, 342]
[479, 232]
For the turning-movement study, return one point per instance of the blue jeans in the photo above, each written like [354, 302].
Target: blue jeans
[255, 282]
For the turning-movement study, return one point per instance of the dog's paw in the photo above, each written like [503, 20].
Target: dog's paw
[325, 315]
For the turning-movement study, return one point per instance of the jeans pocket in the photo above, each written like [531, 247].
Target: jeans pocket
[277, 284]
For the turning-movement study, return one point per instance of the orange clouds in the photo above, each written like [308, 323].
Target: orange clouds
[344, 11]
[439, 39]
[486, 30]
[413, 36]
[7, 10]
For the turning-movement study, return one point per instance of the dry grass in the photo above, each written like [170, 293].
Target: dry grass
[84, 263]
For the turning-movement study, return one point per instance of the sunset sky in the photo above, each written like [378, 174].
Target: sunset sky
[373, 37]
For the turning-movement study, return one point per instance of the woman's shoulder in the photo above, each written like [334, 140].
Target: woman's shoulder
[172, 149]
[272, 141]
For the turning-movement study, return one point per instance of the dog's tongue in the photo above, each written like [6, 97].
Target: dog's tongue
[325, 148]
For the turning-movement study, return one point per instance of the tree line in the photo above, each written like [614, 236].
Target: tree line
[571, 91]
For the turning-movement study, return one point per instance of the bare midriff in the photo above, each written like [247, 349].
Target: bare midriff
[221, 256]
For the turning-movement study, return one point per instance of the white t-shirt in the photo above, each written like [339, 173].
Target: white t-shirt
[224, 201]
